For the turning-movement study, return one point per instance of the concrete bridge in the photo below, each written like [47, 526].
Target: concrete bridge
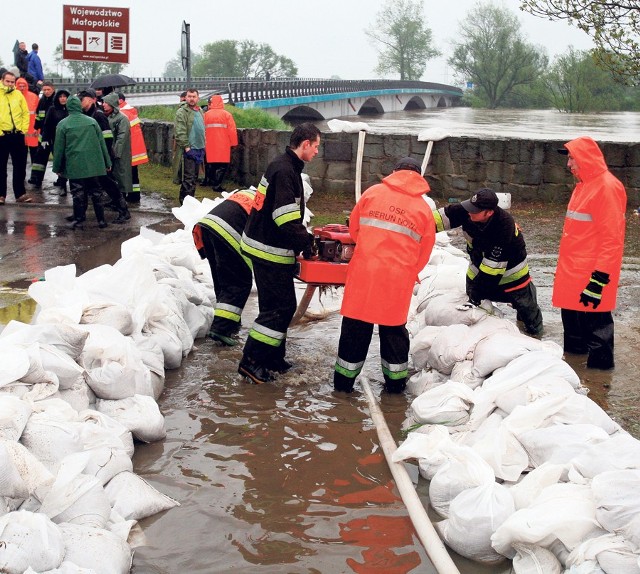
[324, 99]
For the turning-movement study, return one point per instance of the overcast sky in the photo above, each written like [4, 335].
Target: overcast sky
[323, 38]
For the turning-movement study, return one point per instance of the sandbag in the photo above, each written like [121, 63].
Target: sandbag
[21, 473]
[530, 559]
[620, 451]
[140, 414]
[610, 552]
[88, 547]
[14, 414]
[69, 339]
[134, 498]
[15, 363]
[532, 484]
[29, 540]
[446, 404]
[109, 314]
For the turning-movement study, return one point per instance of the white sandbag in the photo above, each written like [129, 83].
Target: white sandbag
[140, 414]
[562, 512]
[462, 372]
[532, 390]
[620, 451]
[113, 363]
[105, 425]
[431, 458]
[503, 452]
[336, 125]
[463, 469]
[134, 498]
[69, 339]
[446, 404]
[59, 296]
[168, 329]
[618, 504]
[76, 498]
[559, 443]
[612, 553]
[14, 414]
[532, 484]
[15, 363]
[29, 540]
[68, 371]
[441, 308]
[64, 568]
[420, 444]
[79, 397]
[424, 380]
[450, 345]
[21, 473]
[499, 348]
[474, 515]
[421, 343]
[516, 373]
[153, 357]
[530, 559]
[442, 276]
[103, 462]
[88, 547]
[109, 314]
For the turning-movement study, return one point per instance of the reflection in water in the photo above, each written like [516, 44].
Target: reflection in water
[524, 124]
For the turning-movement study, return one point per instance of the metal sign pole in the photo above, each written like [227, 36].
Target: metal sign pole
[185, 46]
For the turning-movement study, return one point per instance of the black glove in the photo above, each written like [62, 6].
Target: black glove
[593, 291]
[309, 252]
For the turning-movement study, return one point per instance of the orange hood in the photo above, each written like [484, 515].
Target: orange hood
[588, 157]
[22, 84]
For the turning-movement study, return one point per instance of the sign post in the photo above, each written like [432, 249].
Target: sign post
[185, 50]
[95, 34]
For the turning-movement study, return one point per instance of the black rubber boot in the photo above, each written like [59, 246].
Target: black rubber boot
[254, 372]
[98, 208]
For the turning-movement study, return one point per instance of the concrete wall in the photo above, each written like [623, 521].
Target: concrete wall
[529, 170]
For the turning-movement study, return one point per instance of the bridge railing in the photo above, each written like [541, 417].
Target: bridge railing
[253, 89]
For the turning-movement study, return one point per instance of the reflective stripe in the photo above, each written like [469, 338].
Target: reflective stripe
[216, 126]
[491, 267]
[106, 134]
[442, 221]
[395, 371]
[37, 167]
[592, 294]
[370, 222]
[520, 267]
[136, 188]
[226, 232]
[266, 335]
[350, 370]
[515, 274]
[139, 156]
[267, 252]
[230, 312]
[286, 213]
[579, 216]
[472, 271]
[135, 122]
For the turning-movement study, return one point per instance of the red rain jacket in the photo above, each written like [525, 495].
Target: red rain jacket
[31, 137]
[138, 147]
[220, 132]
[593, 234]
[394, 231]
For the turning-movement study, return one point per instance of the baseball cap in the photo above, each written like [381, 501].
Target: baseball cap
[482, 199]
[90, 92]
[563, 151]
[408, 163]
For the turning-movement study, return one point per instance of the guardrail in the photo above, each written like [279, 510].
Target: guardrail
[252, 89]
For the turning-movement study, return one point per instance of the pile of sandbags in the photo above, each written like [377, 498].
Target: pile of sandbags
[521, 463]
[78, 388]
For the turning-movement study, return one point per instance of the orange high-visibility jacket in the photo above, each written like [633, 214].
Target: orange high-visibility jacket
[138, 147]
[220, 132]
[394, 231]
[593, 234]
[31, 137]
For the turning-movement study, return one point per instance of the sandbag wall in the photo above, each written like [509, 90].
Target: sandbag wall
[78, 387]
[522, 464]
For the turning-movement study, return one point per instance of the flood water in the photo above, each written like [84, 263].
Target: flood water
[524, 124]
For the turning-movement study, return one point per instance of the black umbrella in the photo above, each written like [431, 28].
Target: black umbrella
[112, 81]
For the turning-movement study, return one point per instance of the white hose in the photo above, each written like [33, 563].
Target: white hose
[435, 548]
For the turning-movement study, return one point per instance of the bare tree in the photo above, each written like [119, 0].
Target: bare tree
[494, 55]
[403, 40]
[614, 27]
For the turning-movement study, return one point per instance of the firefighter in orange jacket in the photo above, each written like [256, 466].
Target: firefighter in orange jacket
[31, 137]
[220, 135]
[138, 148]
[394, 231]
[590, 255]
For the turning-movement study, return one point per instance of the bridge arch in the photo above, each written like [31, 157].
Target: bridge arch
[302, 113]
[371, 107]
[415, 103]
[442, 102]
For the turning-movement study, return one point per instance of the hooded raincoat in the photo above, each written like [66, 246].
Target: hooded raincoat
[121, 148]
[220, 132]
[80, 151]
[593, 234]
[31, 137]
[394, 231]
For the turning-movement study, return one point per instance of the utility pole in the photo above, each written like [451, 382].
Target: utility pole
[185, 50]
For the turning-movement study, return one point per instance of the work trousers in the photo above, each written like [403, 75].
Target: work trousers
[266, 343]
[189, 177]
[133, 196]
[39, 164]
[81, 191]
[215, 173]
[592, 333]
[523, 300]
[12, 146]
[355, 338]
[232, 281]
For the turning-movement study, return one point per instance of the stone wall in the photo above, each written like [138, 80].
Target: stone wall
[531, 170]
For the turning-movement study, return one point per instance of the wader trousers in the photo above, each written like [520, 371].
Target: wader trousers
[589, 332]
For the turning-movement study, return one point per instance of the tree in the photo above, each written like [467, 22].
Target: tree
[614, 27]
[403, 40]
[494, 55]
[85, 70]
[245, 59]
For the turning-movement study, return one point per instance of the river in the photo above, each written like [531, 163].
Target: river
[502, 123]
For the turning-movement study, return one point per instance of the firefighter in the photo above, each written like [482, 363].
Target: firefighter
[138, 148]
[220, 135]
[274, 235]
[217, 237]
[498, 268]
[590, 255]
[394, 232]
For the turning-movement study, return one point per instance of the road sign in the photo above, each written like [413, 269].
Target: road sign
[97, 34]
